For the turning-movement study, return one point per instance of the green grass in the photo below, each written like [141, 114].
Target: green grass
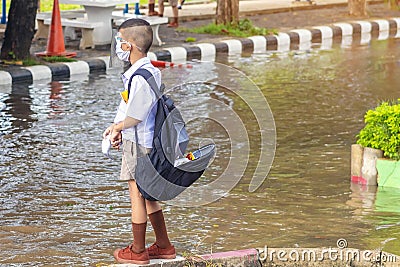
[30, 62]
[47, 6]
[245, 28]
[58, 59]
[190, 40]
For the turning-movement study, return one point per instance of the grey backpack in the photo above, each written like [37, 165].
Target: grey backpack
[164, 173]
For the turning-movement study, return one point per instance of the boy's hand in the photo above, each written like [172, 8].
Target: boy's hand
[115, 136]
[116, 139]
[108, 130]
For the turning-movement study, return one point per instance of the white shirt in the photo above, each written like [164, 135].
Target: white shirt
[141, 104]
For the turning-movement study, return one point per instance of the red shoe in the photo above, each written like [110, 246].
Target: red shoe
[173, 25]
[126, 255]
[155, 252]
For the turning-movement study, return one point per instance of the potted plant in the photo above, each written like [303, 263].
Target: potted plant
[379, 142]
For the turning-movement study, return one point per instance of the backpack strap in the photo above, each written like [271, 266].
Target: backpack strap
[153, 85]
[149, 79]
[159, 92]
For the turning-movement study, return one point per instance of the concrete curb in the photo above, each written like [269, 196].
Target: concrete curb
[16, 74]
[177, 262]
[238, 258]
[341, 256]
[299, 39]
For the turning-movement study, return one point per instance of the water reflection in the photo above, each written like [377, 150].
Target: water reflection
[380, 205]
[16, 113]
[362, 198]
[387, 200]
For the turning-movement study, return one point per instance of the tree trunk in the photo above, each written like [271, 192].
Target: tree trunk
[20, 29]
[227, 12]
[357, 7]
[394, 4]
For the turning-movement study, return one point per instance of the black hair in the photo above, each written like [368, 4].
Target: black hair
[132, 23]
[139, 31]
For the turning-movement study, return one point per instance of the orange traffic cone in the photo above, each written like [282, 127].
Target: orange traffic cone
[55, 42]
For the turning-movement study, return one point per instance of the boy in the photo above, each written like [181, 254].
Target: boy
[133, 41]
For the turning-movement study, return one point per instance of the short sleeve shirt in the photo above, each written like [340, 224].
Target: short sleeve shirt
[141, 104]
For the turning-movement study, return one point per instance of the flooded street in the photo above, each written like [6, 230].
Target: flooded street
[61, 202]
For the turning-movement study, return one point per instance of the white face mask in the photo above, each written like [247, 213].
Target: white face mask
[122, 54]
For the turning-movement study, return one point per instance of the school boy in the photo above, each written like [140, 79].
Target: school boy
[133, 41]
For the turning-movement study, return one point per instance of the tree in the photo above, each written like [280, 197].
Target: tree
[393, 4]
[20, 29]
[227, 12]
[357, 7]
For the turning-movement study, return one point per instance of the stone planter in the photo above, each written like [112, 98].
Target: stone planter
[363, 164]
[368, 167]
[388, 173]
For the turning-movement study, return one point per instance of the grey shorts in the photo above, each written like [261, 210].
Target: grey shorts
[129, 160]
[173, 2]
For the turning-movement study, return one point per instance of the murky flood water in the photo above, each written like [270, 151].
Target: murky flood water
[61, 203]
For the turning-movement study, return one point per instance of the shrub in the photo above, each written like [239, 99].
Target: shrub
[382, 129]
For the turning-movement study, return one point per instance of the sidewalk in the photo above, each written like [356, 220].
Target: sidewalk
[280, 16]
[200, 13]
[191, 12]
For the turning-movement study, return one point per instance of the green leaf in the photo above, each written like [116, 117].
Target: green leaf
[382, 129]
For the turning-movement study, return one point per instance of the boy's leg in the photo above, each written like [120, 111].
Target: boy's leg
[152, 206]
[174, 4]
[139, 218]
[175, 12]
[160, 8]
[136, 252]
[156, 217]
[162, 248]
[152, 12]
